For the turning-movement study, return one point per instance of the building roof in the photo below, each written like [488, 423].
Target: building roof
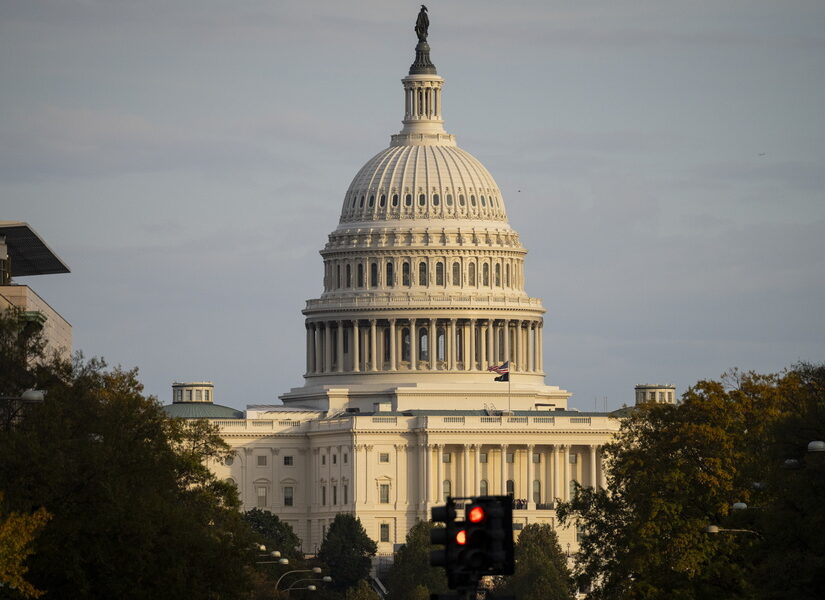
[28, 252]
[201, 410]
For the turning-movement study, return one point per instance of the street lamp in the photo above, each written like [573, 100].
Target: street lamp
[716, 529]
[274, 554]
[324, 579]
[316, 570]
[12, 405]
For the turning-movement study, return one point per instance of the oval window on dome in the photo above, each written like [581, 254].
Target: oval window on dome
[483, 201]
[395, 199]
[461, 199]
[422, 200]
[383, 201]
[408, 200]
[473, 200]
[449, 199]
[354, 200]
[435, 200]
[372, 201]
[362, 202]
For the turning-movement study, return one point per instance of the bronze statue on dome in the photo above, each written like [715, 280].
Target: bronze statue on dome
[422, 24]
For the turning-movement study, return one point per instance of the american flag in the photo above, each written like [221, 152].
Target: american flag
[501, 369]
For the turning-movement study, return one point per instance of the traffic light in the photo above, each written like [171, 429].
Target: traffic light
[444, 536]
[488, 538]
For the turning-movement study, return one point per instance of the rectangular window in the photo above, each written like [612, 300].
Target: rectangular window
[334, 495]
[335, 459]
[261, 493]
[447, 457]
[345, 493]
[323, 495]
[385, 532]
[189, 395]
[482, 458]
[289, 495]
[346, 458]
[384, 457]
[261, 460]
[288, 461]
[323, 459]
[199, 395]
[384, 489]
[510, 457]
[206, 395]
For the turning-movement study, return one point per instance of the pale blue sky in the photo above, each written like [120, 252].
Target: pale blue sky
[187, 159]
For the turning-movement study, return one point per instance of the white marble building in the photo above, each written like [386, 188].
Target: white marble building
[423, 291]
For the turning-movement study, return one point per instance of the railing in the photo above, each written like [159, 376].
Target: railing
[580, 420]
[490, 419]
[392, 420]
[423, 299]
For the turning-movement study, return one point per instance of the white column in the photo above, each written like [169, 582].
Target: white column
[465, 341]
[452, 344]
[432, 344]
[392, 346]
[316, 344]
[339, 347]
[356, 347]
[491, 352]
[477, 474]
[440, 471]
[539, 344]
[554, 475]
[373, 347]
[327, 347]
[504, 469]
[310, 350]
[413, 346]
[506, 326]
[602, 471]
[565, 457]
[530, 504]
[465, 470]
[592, 479]
[471, 355]
[369, 484]
[423, 493]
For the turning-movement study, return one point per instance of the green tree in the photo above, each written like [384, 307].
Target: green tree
[362, 591]
[135, 511]
[541, 567]
[347, 550]
[411, 568]
[17, 532]
[673, 470]
[273, 533]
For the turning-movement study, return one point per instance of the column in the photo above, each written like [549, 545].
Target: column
[369, 484]
[465, 470]
[316, 343]
[471, 355]
[477, 474]
[451, 345]
[465, 340]
[602, 471]
[506, 326]
[356, 347]
[393, 357]
[540, 347]
[491, 353]
[531, 350]
[310, 349]
[530, 503]
[373, 347]
[432, 344]
[554, 475]
[423, 492]
[440, 470]
[327, 347]
[413, 346]
[356, 496]
[592, 479]
[339, 347]
[565, 458]
[503, 469]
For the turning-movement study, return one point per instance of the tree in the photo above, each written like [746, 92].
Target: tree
[362, 591]
[17, 531]
[541, 567]
[347, 550]
[675, 469]
[273, 533]
[411, 567]
[135, 511]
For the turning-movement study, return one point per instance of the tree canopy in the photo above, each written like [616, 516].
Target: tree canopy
[135, 512]
[674, 469]
[347, 551]
[273, 533]
[411, 568]
[541, 567]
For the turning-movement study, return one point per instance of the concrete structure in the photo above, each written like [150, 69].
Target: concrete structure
[423, 292]
[23, 253]
[657, 393]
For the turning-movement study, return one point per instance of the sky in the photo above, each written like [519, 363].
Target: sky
[662, 160]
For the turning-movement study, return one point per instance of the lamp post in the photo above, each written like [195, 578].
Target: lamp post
[324, 579]
[316, 570]
[13, 405]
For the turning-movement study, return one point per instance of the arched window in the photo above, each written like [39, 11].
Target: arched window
[395, 199]
[435, 199]
[386, 344]
[447, 489]
[423, 344]
[349, 276]
[408, 200]
[405, 344]
[471, 275]
[422, 273]
[372, 201]
[498, 275]
[360, 281]
[338, 276]
[472, 200]
[422, 200]
[485, 279]
[449, 199]
[374, 274]
[459, 344]
[483, 202]
[456, 273]
[482, 487]
[405, 274]
[390, 280]
[501, 344]
[439, 273]
[536, 491]
[507, 274]
[511, 487]
[461, 199]
[441, 344]
[383, 201]
[361, 205]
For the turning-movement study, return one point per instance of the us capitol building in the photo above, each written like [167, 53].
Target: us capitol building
[423, 291]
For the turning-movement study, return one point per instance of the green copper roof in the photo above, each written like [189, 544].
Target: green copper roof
[201, 410]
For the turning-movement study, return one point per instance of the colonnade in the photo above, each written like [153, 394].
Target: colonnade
[428, 344]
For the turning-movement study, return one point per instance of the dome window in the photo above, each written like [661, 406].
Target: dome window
[456, 273]
[372, 201]
[498, 275]
[390, 278]
[439, 273]
[461, 199]
[422, 200]
[361, 205]
[374, 275]
[360, 275]
[383, 201]
[485, 270]
[435, 199]
[408, 200]
[354, 200]
[449, 199]
[422, 273]
[395, 199]
[473, 200]
[405, 274]
[483, 201]
[471, 274]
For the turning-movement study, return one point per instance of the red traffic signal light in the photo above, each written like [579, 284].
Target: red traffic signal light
[476, 514]
[461, 537]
